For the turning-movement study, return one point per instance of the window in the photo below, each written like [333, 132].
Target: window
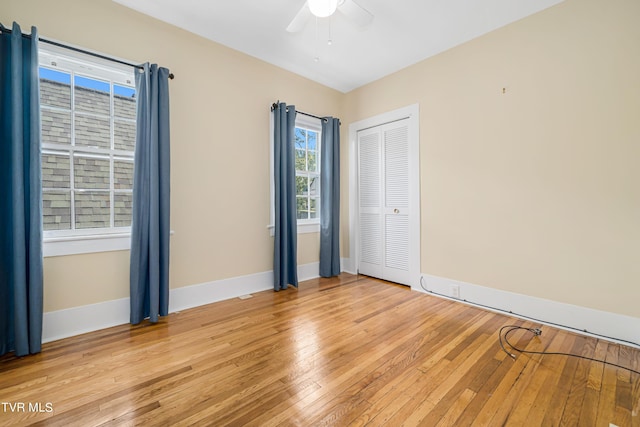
[307, 159]
[307, 174]
[88, 125]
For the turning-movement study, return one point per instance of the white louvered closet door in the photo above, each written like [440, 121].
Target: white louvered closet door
[384, 202]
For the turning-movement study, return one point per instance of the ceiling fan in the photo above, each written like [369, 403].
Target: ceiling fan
[323, 8]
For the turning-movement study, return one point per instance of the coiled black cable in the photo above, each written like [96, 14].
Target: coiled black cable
[504, 338]
[527, 317]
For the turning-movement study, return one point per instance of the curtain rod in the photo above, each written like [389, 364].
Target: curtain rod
[275, 105]
[76, 49]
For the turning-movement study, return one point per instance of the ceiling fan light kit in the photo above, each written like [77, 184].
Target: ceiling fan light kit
[323, 8]
[355, 13]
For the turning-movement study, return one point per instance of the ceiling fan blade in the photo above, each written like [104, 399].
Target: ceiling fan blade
[356, 13]
[300, 20]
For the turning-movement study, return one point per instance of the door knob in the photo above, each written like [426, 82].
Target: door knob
[396, 210]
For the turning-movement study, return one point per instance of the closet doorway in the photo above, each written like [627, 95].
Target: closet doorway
[385, 196]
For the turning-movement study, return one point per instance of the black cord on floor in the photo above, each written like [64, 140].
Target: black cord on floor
[527, 317]
[510, 328]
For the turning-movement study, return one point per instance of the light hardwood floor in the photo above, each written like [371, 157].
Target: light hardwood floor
[343, 351]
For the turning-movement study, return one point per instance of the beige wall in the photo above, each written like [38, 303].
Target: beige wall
[535, 190]
[220, 102]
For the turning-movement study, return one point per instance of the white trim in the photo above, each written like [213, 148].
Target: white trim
[67, 59]
[582, 320]
[86, 244]
[218, 290]
[309, 227]
[79, 320]
[347, 265]
[72, 245]
[310, 123]
[87, 318]
[308, 271]
[411, 112]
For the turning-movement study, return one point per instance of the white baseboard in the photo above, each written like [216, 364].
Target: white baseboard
[346, 265]
[87, 318]
[587, 321]
[308, 271]
[218, 290]
[79, 320]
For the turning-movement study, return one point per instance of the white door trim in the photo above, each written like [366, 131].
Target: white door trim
[411, 112]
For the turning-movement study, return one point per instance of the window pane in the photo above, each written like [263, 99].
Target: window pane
[313, 208]
[92, 96]
[313, 161]
[313, 139]
[124, 102]
[56, 171]
[92, 132]
[314, 184]
[301, 164]
[302, 185]
[55, 88]
[91, 173]
[56, 210]
[301, 139]
[122, 209]
[54, 75]
[124, 135]
[92, 209]
[122, 175]
[302, 208]
[56, 127]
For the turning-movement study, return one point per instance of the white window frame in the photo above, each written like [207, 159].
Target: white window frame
[306, 225]
[80, 241]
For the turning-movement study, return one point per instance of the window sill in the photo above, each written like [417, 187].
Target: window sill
[302, 228]
[60, 246]
[75, 245]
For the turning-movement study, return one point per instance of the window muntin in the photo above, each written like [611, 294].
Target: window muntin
[88, 142]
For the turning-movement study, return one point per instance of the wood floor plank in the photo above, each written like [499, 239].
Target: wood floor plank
[521, 413]
[589, 411]
[606, 402]
[349, 350]
[554, 366]
[571, 414]
[560, 394]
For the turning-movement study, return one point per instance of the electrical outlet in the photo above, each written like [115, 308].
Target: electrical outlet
[455, 291]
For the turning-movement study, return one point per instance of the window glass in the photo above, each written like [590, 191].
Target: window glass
[92, 209]
[88, 126]
[92, 96]
[307, 174]
[91, 131]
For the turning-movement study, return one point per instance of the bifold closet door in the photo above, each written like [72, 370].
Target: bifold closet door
[383, 191]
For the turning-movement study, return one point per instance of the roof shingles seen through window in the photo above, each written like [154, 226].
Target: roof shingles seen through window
[92, 127]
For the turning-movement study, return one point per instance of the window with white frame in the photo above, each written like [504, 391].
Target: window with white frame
[88, 125]
[307, 160]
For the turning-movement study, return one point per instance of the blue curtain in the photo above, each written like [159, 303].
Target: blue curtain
[20, 195]
[330, 196]
[285, 265]
[150, 231]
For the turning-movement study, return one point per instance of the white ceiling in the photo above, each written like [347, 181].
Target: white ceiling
[402, 32]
